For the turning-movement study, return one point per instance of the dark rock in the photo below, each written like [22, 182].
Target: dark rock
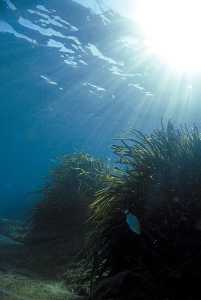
[122, 286]
[12, 229]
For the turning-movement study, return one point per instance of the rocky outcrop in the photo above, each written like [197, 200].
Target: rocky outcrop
[125, 285]
[12, 229]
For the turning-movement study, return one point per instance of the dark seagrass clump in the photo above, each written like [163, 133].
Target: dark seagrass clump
[59, 224]
[159, 185]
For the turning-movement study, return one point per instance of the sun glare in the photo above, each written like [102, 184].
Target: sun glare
[172, 30]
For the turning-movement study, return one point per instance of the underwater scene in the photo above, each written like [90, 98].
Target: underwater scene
[100, 122]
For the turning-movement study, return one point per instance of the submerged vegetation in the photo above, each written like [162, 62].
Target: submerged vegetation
[140, 220]
[59, 220]
[160, 184]
[65, 199]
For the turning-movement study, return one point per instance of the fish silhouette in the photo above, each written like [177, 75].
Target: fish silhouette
[133, 222]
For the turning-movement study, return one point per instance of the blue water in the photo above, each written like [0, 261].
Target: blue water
[71, 81]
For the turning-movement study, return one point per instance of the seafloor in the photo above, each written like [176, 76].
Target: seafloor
[18, 281]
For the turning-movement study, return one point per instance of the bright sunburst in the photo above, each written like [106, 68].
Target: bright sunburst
[172, 30]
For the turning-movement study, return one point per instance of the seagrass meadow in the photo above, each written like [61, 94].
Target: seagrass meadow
[156, 178]
[159, 182]
[126, 230]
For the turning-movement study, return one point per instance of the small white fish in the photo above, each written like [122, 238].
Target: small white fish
[133, 222]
